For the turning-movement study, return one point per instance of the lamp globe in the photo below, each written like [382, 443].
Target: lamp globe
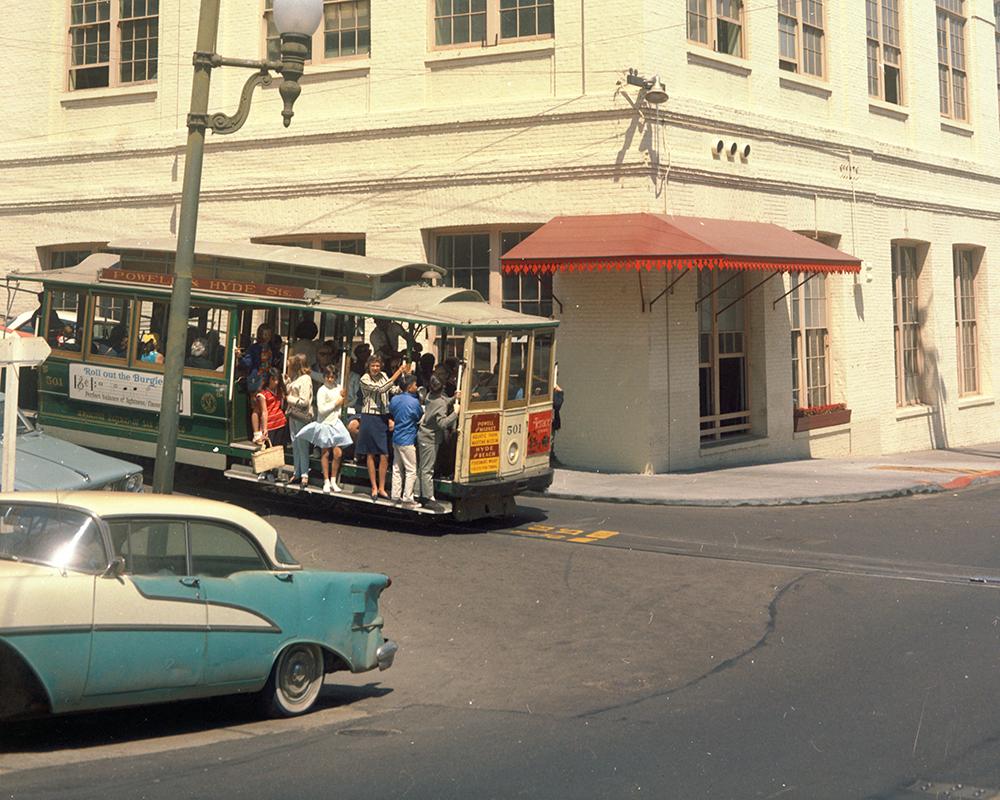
[297, 16]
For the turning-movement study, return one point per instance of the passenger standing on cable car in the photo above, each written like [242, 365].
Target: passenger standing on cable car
[299, 410]
[406, 412]
[269, 420]
[373, 439]
[328, 432]
[263, 353]
[438, 418]
[305, 341]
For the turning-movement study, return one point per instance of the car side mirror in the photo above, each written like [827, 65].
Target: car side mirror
[115, 569]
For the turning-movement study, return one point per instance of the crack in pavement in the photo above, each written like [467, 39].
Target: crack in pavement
[722, 666]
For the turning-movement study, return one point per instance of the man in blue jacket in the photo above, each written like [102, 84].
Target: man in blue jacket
[405, 410]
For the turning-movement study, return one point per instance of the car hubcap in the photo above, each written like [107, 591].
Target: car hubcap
[298, 674]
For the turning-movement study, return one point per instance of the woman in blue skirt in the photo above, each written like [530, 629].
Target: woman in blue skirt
[328, 432]
[373, 440]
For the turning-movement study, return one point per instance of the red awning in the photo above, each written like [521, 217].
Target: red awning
[657, 241]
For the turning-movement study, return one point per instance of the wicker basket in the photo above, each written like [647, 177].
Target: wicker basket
[268, 457]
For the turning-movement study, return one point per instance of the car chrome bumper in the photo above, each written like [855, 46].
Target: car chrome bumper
[386, 654]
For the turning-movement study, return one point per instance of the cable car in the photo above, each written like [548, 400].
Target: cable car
[105, 320]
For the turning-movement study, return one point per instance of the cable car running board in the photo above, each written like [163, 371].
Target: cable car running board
[356, 494]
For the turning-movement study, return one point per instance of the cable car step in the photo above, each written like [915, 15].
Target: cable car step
[357, 494]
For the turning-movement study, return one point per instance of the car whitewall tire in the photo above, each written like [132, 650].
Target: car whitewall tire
[295, 682]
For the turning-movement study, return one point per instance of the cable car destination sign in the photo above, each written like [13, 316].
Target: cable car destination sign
[226, 285]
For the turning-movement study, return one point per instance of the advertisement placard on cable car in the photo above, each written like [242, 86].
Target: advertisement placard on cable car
[539, 433]
[131, 276]
[114, 386]
[484, 445]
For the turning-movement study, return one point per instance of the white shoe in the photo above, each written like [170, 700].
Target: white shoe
[337, 488]
[326, 487]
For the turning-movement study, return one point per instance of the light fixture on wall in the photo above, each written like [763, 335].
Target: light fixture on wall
[746, 152]
[719, 147]
[733, 148]
[651, 90]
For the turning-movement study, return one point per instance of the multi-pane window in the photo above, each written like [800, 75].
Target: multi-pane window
[717, 24]
[885, 58]
[722, 362]
[332, 243]
[951, 58]
[800, 36]
[460, 22]
[906, 324]
[810, 341]
[966, 332]
[529, 294]
[466, 256]
[113, 42]
[346, 31]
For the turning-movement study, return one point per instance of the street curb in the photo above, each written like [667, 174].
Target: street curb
[956, 484]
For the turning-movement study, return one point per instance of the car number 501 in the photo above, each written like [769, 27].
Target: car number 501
[514, 430]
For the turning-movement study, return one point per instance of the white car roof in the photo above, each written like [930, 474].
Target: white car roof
[116, 504]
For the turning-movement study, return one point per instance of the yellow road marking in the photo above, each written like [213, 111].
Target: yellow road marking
[602, 534]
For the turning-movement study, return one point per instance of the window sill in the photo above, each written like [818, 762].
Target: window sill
[975, 401]
[891, 110]
[473, 53]
[748, 442]
[355, 66]
[912, 412]
[957, 128]
[119, 95]
[720, 61]
[805, 83]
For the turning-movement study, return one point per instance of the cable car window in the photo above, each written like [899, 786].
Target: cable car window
[152, 332]
[541, 368]
[66, 311]
[517, 374]
[208, 329]
[109, 331]
[485, 378]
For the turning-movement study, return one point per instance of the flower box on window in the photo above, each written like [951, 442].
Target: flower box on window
[812, 417]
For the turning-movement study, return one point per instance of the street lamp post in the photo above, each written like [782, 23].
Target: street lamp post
[295, 20]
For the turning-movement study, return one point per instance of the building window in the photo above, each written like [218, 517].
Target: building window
[906, 324]
[113, 43]
[884, 51]
[331, 242]
[62, 256]
[462, 22]
[722, 356]
[966, 331]
[346, 31]
[800, 36]
[529, 294]
[810, 341]
[466, 256]
[951, 58]
[717, 24]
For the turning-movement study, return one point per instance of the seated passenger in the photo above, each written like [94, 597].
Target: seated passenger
[151, 349]
[198, 356]
[116, 345]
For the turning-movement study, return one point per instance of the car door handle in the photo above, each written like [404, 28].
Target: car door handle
[194, 583]
[284, 576]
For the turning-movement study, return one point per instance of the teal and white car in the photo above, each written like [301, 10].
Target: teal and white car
[110, 599]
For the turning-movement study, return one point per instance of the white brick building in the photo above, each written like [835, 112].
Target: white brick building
[862, 131]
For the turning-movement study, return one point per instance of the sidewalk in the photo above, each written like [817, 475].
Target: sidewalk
[791, 482]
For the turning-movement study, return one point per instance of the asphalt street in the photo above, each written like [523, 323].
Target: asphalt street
[587, 650]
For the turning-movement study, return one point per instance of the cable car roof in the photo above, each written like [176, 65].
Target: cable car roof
[444, 306]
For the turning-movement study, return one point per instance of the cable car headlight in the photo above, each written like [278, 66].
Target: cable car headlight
[512, 453]
[133, 483]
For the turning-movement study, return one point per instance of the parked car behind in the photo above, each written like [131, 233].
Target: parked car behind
[111, 600]
[47, 463]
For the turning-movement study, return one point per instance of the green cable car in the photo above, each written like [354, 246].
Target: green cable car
[106, 319]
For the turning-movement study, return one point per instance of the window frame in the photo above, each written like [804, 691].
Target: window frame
[797, 15]
[967, 257]
[317, 241]
[493, 36]
[115, 58]
[951, 18]
[880, 42]
[319, 36]
[712, 18]
[801, 357]
[92, 309]
[81, 293]
[718, 432]
[898, 279]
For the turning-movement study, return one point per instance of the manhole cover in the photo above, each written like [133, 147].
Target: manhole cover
[368, 732]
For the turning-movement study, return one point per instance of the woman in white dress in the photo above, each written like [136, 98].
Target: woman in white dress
[328, 432]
